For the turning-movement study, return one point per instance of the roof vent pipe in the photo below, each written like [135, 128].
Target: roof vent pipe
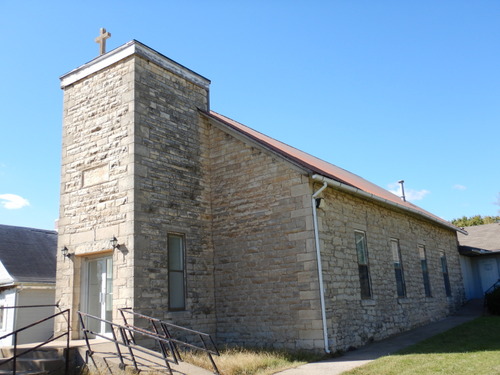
[402, 183]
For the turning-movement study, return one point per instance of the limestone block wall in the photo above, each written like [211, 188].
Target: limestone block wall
[354, 321]
[172, 194]
[266, 282]
[96, 179]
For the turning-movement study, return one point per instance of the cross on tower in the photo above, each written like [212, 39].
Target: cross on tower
[101, 39]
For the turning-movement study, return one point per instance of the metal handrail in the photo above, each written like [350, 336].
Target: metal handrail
[493, 287]
[17, 331]
[125, 341]
[204, 337]
[128, 333]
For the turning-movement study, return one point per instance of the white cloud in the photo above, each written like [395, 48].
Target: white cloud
[13, 202]
[416, 195]
[459, 187]
[410, 194]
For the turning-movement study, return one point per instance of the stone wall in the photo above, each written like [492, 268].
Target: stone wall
[354, 321]
[266, 282]
[172, 194]
[96, 182]
[139, 161]
[133, 149]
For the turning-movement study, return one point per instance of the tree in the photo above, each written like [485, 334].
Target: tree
[465, 221]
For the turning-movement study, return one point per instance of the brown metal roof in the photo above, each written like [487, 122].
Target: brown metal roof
[318, 166]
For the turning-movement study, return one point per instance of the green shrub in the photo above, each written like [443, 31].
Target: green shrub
[493, 301]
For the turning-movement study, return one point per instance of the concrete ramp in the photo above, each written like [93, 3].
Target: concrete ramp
[106, 360]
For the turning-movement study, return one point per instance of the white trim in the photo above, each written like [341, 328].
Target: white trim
[364, 194]
[132, 48]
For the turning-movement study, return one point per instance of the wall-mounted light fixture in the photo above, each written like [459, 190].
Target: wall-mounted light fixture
[114, 243]
[320, 203]
[65, 252]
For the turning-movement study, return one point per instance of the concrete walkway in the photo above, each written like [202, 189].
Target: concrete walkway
[368, 353]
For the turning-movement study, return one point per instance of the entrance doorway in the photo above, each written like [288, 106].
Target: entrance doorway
[98, 293]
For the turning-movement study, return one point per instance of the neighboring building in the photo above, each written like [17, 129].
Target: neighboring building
[480, 258]
[27, 278]
[226, 230]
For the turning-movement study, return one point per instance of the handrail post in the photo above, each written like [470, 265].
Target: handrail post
[163, 347]
[213, 345]
[175, 352]
[68, 333]
[125, 322]
[209, 354]
[85, 335]
[127, 344]
[14, 365]
[118, 349]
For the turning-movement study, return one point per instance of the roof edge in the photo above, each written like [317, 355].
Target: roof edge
[256, 141]
[133, 47]
[364, 194]
[307, 167]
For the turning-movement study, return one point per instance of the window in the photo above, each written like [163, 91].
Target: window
[444, 267]
[425, 270]
[2, 315]
[364, 270]
[176, 286]
[398, 268]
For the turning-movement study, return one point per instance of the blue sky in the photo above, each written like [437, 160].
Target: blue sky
[388, 90]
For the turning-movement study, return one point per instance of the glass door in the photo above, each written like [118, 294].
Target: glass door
[100, 293]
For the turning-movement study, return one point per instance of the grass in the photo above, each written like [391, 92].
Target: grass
[239, 361]
[472, 348]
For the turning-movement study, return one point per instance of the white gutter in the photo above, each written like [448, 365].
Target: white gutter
[320, 268]
[364, 194]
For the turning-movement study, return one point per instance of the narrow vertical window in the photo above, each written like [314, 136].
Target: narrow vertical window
[364, 270]
[2, 316]
[425, 270]
[176, 286]
[398, 268]
[446, 277]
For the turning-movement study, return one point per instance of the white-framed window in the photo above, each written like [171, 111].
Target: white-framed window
[176, 272]
[425, 270]
[398, 268]
[363, 265]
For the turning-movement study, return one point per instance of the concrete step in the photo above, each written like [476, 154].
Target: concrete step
[9, 372]
[34, 364]
[44, 352]
[40, 361]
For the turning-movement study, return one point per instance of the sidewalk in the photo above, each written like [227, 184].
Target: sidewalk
[368, 353]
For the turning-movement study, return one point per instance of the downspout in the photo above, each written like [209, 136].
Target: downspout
[320, 268]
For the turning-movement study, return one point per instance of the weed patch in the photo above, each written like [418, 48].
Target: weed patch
[240, 361]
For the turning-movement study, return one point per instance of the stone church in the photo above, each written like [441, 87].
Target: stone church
[225, 230]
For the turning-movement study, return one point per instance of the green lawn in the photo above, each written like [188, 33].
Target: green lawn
[470, 349]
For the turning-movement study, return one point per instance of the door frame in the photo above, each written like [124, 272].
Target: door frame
[84, 285]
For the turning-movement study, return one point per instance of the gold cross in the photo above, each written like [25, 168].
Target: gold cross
[101, 39]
